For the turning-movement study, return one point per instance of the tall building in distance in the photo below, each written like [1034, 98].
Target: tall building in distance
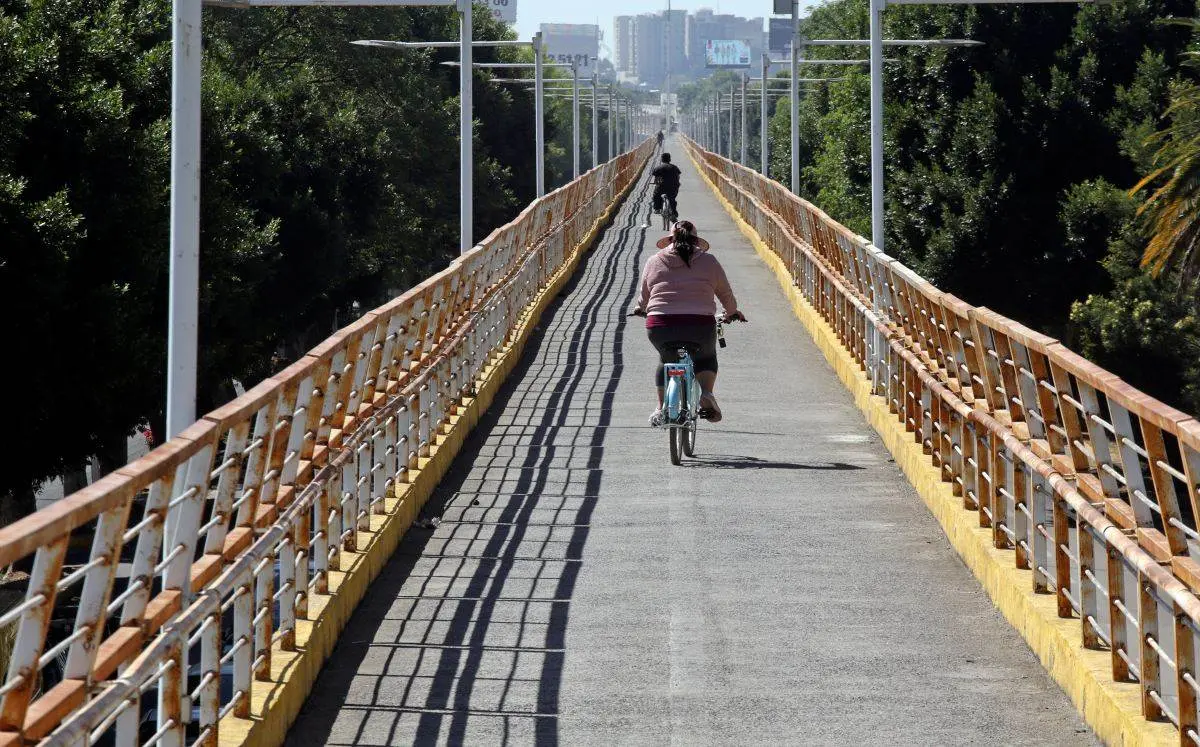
[705, 25]
[622, 46]
[645, 46]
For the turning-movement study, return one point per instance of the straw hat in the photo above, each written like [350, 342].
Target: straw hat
[666, 241]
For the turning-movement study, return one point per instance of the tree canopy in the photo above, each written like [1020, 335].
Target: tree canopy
[329, 183]
[1008, 166]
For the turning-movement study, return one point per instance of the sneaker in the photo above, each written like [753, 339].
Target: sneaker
[709, 409]
[657, 418]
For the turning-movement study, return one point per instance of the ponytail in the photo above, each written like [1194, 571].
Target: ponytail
[684, 243]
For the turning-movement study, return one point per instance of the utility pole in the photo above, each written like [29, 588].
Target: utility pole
[595, 122]
[796, 52]
[539, 78]
[575, 117]
[763, 109]
[612, 143]
[744, 156]
[732, 103]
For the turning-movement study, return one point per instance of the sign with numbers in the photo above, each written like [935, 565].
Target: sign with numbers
[503, 10]
[572, 43]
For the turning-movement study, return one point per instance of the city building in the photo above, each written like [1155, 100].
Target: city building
[705, 25]
[622, 46]
[645, 46]
[659, 45]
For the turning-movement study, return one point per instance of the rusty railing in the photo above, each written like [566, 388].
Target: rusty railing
[229, 532]
[1094, 485]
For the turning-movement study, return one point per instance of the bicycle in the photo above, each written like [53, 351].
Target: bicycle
[670, 213]
[681, 404]
[681, 397]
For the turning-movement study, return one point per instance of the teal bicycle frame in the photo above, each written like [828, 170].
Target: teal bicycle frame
[681, 400]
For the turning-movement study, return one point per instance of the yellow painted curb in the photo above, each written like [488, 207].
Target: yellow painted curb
[1112, 709]
[276, 704]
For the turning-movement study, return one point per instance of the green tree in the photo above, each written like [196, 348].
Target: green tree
[1173, 201]
[329, 182]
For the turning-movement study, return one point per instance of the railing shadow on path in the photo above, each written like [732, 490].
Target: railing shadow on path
[498, 527]
[720, 461]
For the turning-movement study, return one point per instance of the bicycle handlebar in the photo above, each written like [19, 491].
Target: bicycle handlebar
[723, 319]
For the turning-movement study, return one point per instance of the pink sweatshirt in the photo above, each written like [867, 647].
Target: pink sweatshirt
[671, 287]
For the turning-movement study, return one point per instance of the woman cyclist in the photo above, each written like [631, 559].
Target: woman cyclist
[679, 285]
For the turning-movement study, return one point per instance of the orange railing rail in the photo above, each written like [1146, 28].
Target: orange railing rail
[1094, 485]
[242, 517]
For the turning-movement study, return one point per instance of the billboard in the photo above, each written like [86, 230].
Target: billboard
[780, 34]
[726, 53]
[568, 43]
[502, 10]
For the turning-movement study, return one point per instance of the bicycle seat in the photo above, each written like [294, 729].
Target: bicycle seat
[692, 348]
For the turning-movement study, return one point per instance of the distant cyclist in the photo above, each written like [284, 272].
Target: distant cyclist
[666, 177]
[679, 289]
[659, 137]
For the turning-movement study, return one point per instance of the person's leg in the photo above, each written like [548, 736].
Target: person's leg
[658, 337]
[706, 373]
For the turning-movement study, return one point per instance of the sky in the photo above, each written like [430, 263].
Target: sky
[532, 13]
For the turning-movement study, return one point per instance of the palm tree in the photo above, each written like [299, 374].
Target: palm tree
[1173, 209]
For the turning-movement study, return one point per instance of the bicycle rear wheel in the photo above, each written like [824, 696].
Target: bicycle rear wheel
[676, 444]
[688, 436]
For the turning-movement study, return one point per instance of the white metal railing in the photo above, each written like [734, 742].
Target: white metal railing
[229, 532]
[1094, 485]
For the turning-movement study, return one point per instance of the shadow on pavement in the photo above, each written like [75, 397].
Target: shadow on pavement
[746, 462]
[481, 603]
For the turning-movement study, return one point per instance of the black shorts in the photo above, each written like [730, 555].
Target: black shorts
[702, 338]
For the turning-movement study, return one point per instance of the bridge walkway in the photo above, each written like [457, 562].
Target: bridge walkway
[787, 586]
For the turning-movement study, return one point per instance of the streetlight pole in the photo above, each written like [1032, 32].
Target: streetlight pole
[762, 125]
[466, 130]
[539, 106]
[795, 118]
[183, 304]
[732, 105]
[595, 124]
[715, 105]
[612, 143]
[575, 117]
[614, 112]
[744, 154]
[877, 218]
[183, 296]
[712, 127]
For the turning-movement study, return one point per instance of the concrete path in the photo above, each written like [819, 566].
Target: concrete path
[786, 587]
